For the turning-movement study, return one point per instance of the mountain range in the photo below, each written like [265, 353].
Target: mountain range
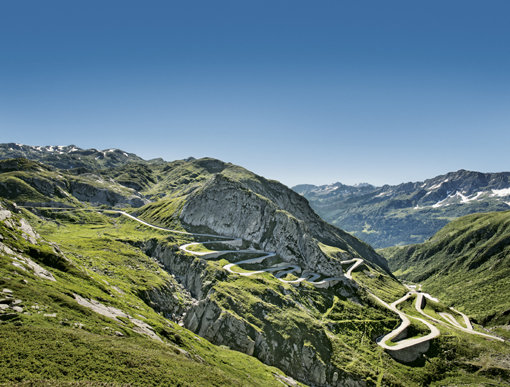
[408, 213]
[116, 269]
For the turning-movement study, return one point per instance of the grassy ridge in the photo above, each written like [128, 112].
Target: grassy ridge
[56, 339]
[100, 259]
[466, 263]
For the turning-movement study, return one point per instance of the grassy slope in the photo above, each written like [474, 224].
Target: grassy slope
[57, 339]
[22, 180]
[466, 263]
[102, 249]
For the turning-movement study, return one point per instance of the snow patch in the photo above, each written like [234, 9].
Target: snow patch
[501, 192]
[463, 199]
[384, 194]
[476, 196]
[327, 189]
[441, 203]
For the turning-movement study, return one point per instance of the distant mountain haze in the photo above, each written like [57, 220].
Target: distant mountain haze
[410, 212]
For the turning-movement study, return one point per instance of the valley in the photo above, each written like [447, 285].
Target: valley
[254, 194]
[215, 268]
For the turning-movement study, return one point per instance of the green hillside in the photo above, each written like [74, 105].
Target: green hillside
[467, 263]
[125, 341]
[199, 272]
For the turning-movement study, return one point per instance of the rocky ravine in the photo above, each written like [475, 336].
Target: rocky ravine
[202, 314]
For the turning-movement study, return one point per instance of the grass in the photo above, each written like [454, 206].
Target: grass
[332, 251]
[381, 284]
[200, 248]
[103, 259]
[69, 355]
[465, 264]
[59, 340]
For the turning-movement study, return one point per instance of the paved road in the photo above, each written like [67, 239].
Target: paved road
[282, 269]
[406, 343]
[357, 262]
[168, 229]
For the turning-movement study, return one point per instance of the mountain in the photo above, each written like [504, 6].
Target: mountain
[466, 263]
[199, 272]
[68, 156]
[31, 182]
[229, 200]
[410, 212]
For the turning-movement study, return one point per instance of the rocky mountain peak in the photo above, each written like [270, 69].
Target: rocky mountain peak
[271, 215]
[409, 212]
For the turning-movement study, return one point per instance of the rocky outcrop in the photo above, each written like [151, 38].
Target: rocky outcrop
[172, 300]
[102, 195]
[306, 361]
[305, 355]
[191, 273]
[229, 208]
[30, 183]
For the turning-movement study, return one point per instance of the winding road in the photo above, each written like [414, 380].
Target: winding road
[281, 270]
[406, 343]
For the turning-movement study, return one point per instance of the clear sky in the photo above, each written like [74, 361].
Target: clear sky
[299, 91]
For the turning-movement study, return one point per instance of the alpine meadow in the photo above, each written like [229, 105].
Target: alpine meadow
[254, 193]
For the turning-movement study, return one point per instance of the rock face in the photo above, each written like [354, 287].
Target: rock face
[33, 183]
[410, 354]
[97, 195]
[303, 355]
[274, 217]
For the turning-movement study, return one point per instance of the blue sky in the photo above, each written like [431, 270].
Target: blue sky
[299, 91]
